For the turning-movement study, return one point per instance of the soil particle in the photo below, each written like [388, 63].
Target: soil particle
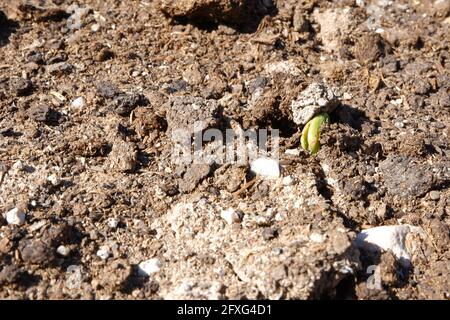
[316, 98]
[228, 11]
[60, 68]
[370, 48]
[421, 86]
[229, 177]
[36, 252]
[9, 274]
[105, 54]
[300, 22]
[123, 156]
[45, 114]
[20, 86]
[406, 177]
[335, 25]
[390, 269]
[39, 11]
[193, 176]
[107, 89]
[123, 104]
[269, 233]
[185, 112]
[440, 232]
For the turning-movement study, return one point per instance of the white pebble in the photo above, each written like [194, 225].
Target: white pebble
[95, 27]
[18, 166]
[230, 216]
[287, 181]
[317, 237]
[388, 238]
[292, 152]
[266, 167]
[346, 96]
[63, 251]
[148, 267]
[279, 216]
[103, 252]
[79, 103]
[54, 179]
[113, 223]
[399, 124]
[15, 216]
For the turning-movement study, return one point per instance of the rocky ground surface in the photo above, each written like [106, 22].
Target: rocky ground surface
[92, 205]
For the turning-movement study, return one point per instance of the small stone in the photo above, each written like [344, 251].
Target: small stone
[95, 27]
[381, 211]
[435, 195]
[43, 113]
[388, 238]
[36, 252]
[15, 216]
[279, 216]
[346, 96]
[277, 251]
[63, 251]
[184, 288]
[54, 179]
[113, 223]
[316, 98]
[265, 167]
[230, 216]
[74, 276]
[124, 103]
[18, 166]
[107, 89]
[148, 267]
[103, 252]
[269, 233]
[317, 237]
[77, 16]
[293, 152]
[399, 124]
[287, 181]
[123, 156]
[37, 225]
[285, 67]
[59, 68]
[79, 103]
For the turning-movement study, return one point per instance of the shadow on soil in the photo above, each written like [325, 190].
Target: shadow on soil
[248, 24]
[7, 27]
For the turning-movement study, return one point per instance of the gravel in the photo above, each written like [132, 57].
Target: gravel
[392, 238]
[15, 216]
[150, 266]
[316, 98]
[266, 168]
